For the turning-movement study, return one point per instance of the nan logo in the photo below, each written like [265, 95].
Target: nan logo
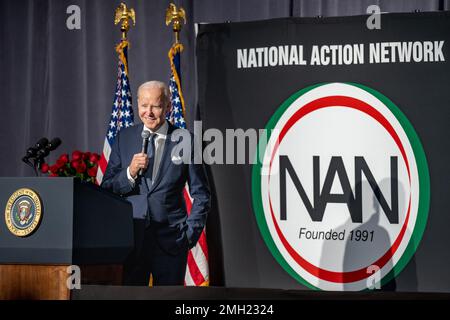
[344, 190]
[23, 212]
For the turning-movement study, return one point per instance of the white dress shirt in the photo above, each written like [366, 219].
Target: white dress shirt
[160, 139]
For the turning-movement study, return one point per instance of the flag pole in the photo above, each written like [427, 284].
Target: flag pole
[123, 14]
[178, 18]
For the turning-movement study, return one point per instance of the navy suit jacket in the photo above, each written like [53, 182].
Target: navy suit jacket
[163, 200]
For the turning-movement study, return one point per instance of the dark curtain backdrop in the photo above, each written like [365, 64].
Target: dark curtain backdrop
[60, 82]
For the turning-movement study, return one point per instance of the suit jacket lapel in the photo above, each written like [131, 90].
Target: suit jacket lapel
[165, 159]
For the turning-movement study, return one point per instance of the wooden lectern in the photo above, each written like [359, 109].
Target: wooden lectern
[80, 225]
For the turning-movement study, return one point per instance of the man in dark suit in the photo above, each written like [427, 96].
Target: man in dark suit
[153, 182]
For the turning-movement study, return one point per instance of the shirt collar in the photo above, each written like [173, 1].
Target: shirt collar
[162, 131]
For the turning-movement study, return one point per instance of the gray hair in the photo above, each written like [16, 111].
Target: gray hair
[159, 85]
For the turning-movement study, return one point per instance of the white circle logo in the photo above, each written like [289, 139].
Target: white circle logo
[342, 195]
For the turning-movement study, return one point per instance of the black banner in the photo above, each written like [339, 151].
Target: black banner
[250, 73]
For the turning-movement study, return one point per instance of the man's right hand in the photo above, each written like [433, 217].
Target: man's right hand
[139, 161]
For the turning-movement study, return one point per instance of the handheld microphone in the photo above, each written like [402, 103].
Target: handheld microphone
[145, 135]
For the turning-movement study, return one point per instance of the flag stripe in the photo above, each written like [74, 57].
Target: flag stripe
[188, 281]
[187, 199]
[203, 245]
[99, 176]
[202, 240]
[200, 257]
[194, 270]
[102, 163]
[106, 150]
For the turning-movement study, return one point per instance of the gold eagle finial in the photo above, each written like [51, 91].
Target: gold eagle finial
[177, 17]
[123, 14]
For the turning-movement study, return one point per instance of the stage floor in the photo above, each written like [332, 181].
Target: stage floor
[97, 292]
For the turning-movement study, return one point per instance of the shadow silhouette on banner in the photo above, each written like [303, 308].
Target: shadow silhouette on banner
[352, 249]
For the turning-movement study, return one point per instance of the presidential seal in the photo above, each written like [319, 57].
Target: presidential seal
[23, 212]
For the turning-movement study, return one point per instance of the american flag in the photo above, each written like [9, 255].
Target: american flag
[122, 111]
[197, 270]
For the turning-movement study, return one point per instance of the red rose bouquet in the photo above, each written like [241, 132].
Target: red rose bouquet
[83, 165]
